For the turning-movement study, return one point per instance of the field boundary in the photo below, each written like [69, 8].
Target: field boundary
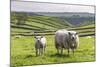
[85, 31]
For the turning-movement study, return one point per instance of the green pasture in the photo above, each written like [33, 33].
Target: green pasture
[23, 52]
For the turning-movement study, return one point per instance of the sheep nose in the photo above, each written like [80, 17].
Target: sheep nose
[73, 38]
[37, 40]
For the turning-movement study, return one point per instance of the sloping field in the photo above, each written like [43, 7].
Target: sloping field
[47, 25]
[41, 23]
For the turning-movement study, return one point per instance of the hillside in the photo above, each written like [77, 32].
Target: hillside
[59, 14]
[72, 18]
[36, 23]
[79, 21]
[66, 14]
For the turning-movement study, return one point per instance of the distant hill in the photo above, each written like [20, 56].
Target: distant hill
[35, 22]
[61, 14]
[77, 21]
[66, 14]
[73, 18]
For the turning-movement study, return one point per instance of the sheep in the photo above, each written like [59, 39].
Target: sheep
[40, 44]
[66, 40]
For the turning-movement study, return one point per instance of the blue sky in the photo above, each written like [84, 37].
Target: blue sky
[48, 7]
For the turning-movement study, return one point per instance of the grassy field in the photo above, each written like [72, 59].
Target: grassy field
[42, 22]
[23, 52]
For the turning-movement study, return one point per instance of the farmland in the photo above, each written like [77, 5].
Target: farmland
[23, 51]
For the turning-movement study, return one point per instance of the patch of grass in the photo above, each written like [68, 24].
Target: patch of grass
[87, 26]
[23, 52]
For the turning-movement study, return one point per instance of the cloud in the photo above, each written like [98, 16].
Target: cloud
[48, 7]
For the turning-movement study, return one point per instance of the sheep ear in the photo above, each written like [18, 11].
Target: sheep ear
[41, 36]
[76, 33]
[69, 33]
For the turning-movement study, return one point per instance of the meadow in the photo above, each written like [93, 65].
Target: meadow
[23, 52]
[22, 41]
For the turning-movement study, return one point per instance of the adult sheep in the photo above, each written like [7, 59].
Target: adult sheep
[40, 44]
[66, 40]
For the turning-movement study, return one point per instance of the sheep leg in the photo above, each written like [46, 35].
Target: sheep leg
[44, 50]
[61, 50]
[58, 50]
[36, 52]
[68, 52]
[73, 51]
[41, 51]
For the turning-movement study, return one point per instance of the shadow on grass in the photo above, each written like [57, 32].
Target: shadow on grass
[29, 56]
[59, 55]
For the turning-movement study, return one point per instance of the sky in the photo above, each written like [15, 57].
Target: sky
[87, 2]
[49, 7]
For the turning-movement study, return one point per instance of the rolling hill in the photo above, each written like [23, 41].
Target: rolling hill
[73, 18]
[36, 22]
[66, 14]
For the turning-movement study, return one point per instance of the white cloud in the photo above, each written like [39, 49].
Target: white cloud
[87, 2]
[48, 7]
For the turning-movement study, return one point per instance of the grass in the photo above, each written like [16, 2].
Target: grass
[51, 20]
[23, 52]
[44, 22]
[87, 26]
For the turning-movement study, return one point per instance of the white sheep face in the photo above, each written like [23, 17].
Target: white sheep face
[38, 38]
[73, 35]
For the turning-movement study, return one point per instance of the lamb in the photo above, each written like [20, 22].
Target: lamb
[66, 40]
[40, 44]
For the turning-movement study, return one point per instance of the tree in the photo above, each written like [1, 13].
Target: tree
[19, 17]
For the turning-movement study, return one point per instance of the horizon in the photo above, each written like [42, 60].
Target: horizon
[53, 12]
